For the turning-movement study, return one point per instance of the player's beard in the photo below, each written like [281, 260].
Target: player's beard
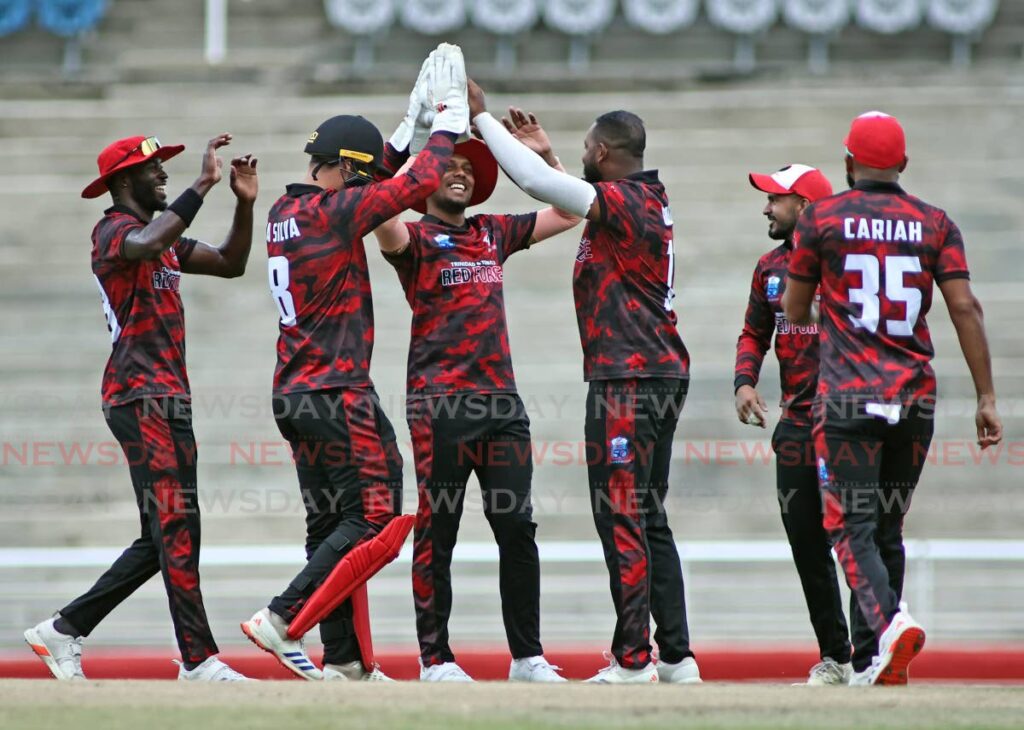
[452, 207]
[146, 196]
[591, 173]
[850, 181]
[780, 232]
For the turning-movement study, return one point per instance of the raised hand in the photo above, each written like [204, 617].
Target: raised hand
[210, 172]
[425, 111]
[525, 127]
[477, 99]
[244, 180]
[448, 91]
[415, 127]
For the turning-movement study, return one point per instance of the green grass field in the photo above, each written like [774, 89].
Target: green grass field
[113, 705]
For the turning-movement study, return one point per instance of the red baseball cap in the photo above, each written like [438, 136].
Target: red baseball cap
[124, 153]
[485, 172]
[877, 140]
[807, 182]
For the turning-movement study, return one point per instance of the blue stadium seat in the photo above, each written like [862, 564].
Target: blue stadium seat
[68, 18]
[14, 15]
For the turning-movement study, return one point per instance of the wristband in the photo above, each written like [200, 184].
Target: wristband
[187, 205]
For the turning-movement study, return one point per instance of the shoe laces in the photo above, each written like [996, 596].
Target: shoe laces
[73, 655]
[541, 664]
[224, 673]
[612, 662]
[827, 669]
[454, 669]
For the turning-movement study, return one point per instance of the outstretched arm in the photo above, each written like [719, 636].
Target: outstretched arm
[229, 259]
[968, 319]
[392, 235]
[150, 241]
[527, 169]
[525, 128]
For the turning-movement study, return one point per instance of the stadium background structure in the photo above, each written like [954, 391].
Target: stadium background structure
[708, 126]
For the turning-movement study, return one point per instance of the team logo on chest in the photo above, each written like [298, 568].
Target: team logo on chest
[167, 279]
[443, 240]
[471, 272]
[771, 289]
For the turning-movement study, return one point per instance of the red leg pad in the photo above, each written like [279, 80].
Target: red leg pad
[361, 625]
[360, 564]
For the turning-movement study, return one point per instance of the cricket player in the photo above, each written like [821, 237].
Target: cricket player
[790, 190]
[346, 456]
[875, 252]
[638, 370]
[137, 260]
[465, 414]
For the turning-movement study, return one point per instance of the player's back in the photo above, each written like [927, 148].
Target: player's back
[879, 250]
[320, 282]
[623, 284]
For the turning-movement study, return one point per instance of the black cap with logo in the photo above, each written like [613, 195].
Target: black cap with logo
[348, 137]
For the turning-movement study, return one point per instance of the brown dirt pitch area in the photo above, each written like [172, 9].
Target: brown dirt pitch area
[113, 705]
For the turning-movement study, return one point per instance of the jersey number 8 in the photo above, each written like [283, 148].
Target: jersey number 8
[277, 273]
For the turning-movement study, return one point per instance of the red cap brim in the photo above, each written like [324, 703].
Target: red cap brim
[99, 186]
[766, 184]
[485, 172]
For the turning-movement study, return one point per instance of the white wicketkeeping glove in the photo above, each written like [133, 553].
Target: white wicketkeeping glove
[448, 92]
[425, 118]
[418, 114]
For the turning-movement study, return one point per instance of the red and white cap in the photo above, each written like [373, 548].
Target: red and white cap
[807, 182]
[877, 140]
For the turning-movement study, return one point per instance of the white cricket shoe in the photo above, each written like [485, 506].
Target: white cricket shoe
[615, 674]
[684, 672]
[211, 670]
[897, 646]
[354, 672]
[863, 678]
[534, 669]
[447, 672]
[268, 631]
[828, 673]
[62, 654]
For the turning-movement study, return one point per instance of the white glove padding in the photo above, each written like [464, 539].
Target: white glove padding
[419, 103]
[425, 117]
[448, 92]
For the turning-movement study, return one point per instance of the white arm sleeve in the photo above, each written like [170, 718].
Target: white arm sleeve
[531, 173]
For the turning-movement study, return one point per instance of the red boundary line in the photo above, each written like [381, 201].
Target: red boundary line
[972, 663]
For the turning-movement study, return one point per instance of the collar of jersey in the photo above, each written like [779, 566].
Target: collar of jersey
[427, 218]
[295, 190]
[876, 186]
[122, 209]
[647, 176]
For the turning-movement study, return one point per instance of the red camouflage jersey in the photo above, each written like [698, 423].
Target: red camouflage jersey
[622, 284]
[796, 346]
[318, 273]
[144, 313]
[452, 277]
[876, 251]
